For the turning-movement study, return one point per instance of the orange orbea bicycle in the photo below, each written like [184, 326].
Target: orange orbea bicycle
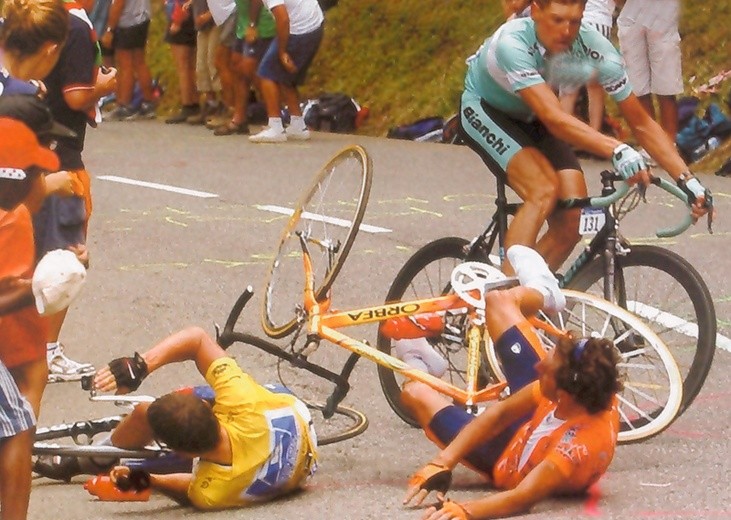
[653, 385]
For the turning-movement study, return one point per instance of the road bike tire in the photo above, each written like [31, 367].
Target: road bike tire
[668, 293]
[653, 388]
[355, 421]
[331, 210]
[426, 275]
[77, 440]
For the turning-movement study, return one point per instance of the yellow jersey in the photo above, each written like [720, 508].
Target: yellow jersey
[273, 443]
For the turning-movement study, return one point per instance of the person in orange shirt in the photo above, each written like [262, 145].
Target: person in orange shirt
[556, 435]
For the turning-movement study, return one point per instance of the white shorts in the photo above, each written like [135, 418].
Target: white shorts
[652, 59]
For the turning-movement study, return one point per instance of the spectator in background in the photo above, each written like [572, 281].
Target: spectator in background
[74, 86]
[181, 36]
[598, 13]
[255, 31]
[516, 8]
[650, 44]
[225, 16]
[126, 32]
[99, 15]
[299, 29]
[208, 36]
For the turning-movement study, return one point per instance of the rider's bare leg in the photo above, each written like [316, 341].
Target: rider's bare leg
[563, 225]
[535, 181]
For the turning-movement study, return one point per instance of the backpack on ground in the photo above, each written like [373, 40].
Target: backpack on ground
[699, 135]
[427, 129]
[331, 112]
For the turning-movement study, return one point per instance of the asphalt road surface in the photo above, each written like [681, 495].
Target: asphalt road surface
[162, 260]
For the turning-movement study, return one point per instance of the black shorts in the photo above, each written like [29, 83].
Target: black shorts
[496, 137]
[134, 37]
[185, 36]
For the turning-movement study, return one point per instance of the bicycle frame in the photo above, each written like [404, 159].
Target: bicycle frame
[323, 324]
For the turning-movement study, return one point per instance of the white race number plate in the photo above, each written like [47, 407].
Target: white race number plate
[592, 220]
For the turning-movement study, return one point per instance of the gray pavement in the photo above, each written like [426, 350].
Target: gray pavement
[162, 260]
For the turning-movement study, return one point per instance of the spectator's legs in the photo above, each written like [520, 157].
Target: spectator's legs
[184, 58]
[669, 115]
[15, 475]
[225, 74]
[125, 75]
[31, 379]
[595, 93]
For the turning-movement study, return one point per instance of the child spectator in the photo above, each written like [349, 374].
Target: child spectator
[74, 87]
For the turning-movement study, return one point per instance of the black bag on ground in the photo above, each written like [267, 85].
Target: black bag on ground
[331, 112]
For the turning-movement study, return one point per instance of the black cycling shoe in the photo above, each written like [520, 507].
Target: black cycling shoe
[57, 467]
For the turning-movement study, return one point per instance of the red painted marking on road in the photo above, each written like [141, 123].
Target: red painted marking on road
[591, 504]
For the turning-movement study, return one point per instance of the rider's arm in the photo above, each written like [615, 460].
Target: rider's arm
[652, 137]
[542, 481]
[487, 425]
[174, 486]
[192, 343]
[546, 106]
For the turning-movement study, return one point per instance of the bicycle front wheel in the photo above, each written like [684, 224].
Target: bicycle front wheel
[427, 275]
[653, 388]
[670, 296]
[328, 216]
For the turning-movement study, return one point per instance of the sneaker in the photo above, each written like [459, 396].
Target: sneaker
[269, 135]
[533, 272]
[57, 467]
[298, 135]
[61, 368]
[419, 353]
[121, 113]
[146, 111]
[183, 114]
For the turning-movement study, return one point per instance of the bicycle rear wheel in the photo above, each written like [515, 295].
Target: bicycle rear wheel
[328, 216]
[670, 296]
[427, 275]
[653, 387]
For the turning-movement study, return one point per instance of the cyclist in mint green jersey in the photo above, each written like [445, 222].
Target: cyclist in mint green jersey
[511, 116]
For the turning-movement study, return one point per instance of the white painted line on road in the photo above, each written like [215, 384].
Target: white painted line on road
[157, 186]
[674, 322]
[322, 218]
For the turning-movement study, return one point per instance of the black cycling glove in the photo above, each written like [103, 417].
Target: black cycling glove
[129, 372]
[137, 480]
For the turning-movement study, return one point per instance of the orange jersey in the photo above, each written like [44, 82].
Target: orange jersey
[581, 447]
[22, 333]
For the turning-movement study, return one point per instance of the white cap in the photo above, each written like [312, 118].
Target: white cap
[57, 280]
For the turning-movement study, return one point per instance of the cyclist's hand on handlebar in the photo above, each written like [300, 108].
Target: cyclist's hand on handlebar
[432, 477]
[123, 374]
[699, 197]
[630, 165]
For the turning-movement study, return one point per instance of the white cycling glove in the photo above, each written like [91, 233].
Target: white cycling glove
[695, 187]
[627, 161]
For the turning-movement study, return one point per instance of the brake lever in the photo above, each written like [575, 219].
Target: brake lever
[708, 204]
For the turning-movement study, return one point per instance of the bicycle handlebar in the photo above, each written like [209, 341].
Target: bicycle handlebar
[622, 189]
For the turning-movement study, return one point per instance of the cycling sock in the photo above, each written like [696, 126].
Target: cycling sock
[532, 271]
[297, 123]
[275, 123]
[419, 354]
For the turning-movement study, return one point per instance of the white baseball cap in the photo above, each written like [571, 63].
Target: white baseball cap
[57, 280]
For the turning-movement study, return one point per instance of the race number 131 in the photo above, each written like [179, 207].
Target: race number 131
[592, 220]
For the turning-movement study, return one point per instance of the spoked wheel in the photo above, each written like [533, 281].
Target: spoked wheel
[76, 440]
[345, 424]
[670, 296]
[653, 387]
[427, 275]
[328, 216]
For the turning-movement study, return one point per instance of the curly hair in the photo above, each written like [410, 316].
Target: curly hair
[28, 24]
[588, 371]
[184, 422]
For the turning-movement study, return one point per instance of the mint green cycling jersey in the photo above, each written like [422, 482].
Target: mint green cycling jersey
[513, 59]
